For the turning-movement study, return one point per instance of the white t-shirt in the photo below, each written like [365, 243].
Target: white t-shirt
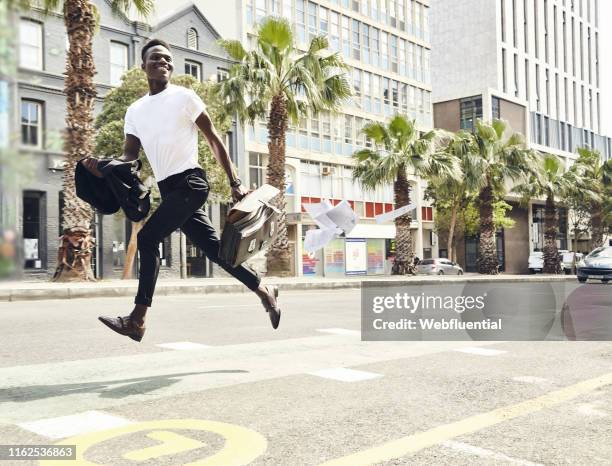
[165, 125]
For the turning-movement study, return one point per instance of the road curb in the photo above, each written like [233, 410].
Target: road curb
[109, 290]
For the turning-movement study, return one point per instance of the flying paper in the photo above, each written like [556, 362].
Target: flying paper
[331, 221]
[388, 216]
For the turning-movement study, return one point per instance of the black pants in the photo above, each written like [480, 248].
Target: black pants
[182, 197]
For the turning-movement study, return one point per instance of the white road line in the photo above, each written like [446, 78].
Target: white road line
[345, 375]
[590, 409]
[339, 331]
[484, 453]
[480, 351]
[35, 391]
[183, 346]
[75, 424]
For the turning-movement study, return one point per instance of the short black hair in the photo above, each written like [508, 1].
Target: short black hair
[152, 43]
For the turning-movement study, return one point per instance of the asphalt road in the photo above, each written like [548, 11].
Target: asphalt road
[228, 389]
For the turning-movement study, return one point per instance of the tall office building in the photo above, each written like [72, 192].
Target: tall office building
[387, 45]
[534, 63]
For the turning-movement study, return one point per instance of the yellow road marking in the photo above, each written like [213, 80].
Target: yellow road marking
[171, 443]
[416, 442]
[241, 447]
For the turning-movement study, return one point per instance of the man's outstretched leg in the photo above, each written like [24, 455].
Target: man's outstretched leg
[176, 208]
[201, 232]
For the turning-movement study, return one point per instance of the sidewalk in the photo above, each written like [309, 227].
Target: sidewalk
[30, 291]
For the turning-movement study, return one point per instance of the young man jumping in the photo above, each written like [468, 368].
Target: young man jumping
[165, 123]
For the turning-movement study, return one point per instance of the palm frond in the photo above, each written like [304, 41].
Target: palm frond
[275, 32]
[233, 48]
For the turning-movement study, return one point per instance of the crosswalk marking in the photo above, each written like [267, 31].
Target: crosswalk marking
[101, 383]
[480, 351]
[75, 424]
[345, 375]
[183, 346]
[484, 453]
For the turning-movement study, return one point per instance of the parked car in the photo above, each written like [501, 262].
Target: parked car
[438, 267]
[535, 262]
[597, 265]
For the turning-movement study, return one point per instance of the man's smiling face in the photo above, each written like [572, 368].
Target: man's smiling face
[158, 63]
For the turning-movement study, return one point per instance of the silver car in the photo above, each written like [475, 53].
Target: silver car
[438, 267]
[597, 265]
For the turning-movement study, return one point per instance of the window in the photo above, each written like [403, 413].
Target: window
[260, 10]
[34, 224]
[30, 44]
[194, 69]
[526, 26]
[222, 74]
[516, 75]
[537, 86]
[514, 38]
[535, 28]
[564, 43]
[31, 123]
[118, 62]
[547, 92]
[526, 79]
[546, 31]
[257, 170]
[312, 20]
[192, 39]
[504, 69]
[555, 37]
[287, 9]
[356, 41]
[334, 39]
[496, 114]
[300, 20]
[590, 56]
[470, 111]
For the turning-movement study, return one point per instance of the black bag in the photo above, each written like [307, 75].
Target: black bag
[247, 233]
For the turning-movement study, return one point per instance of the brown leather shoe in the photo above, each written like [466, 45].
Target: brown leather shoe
[272, 309]
[124, 326]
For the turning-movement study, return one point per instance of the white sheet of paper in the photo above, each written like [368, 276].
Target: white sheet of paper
[343, 216]
[318, 211]
[252, 200]
[388, 216]
[317, 239]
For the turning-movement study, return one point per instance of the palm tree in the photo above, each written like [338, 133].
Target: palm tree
[398, 149]
[548, 181]
[596, 174]
[452, 194]
[278, 82]
[500, 159]
[80, 17]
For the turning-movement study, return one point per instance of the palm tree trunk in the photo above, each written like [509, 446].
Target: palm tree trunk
[451, 232]
[487, 248]
[278, 257]
[74, 261]
[596, 226]
[403, 264]
[552, 264]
